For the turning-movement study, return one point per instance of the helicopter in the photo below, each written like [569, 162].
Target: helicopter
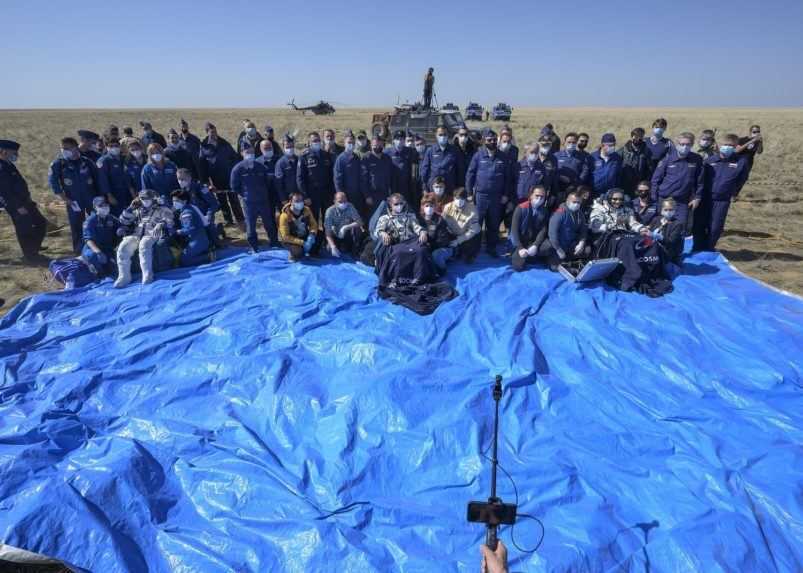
[320, 108]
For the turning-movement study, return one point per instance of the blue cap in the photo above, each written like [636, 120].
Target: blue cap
[86, 134]
[146, 194]
[99, 202]
[289, 138]
[488, 132]
[8, 144]
[608, 138]
[398, 134]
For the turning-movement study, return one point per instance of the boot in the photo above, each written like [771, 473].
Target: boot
[124, 273]
[146, 262]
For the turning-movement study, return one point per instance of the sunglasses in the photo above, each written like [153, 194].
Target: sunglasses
[617, 199]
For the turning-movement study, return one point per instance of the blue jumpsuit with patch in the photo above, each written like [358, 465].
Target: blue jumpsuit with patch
[605, 174]
[162, 179]
[376, 174]
[133, 171]
[113, 181]
[315, 179]
[724, 179]
[681, 178]
[103, 232]
[193, 229]
[207, 204]
[285, 177]
[573, 168]
[251, 180]
[402, 174]
[348, 175]
[445, 162]
[487, 179]
[76, 181]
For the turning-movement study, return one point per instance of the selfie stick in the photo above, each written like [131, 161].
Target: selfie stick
[490, 535]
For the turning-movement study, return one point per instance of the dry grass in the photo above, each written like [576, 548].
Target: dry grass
[764, 237]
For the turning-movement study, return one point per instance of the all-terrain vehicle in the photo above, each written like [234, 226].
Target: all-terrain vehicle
[501, 112]
[418, 120]
[474, 111]
[449, 106]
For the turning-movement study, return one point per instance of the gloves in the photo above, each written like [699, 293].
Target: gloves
[453, 243]
[579, 248]
[335, 251]
[341, 233]
[532, 250]
[523, 253]
[657, 236]
[561, 253]
[309, 243]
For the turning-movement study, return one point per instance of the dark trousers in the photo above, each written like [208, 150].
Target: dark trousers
[76, 219]
[262, 211]
[320, 201]
[468, 250]
[230, 206]
[702, 226]
[518, 262]
[489, 213]
[30, 229]
[351, 242]
[719, 212]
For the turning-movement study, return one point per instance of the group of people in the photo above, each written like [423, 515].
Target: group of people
[159, 195]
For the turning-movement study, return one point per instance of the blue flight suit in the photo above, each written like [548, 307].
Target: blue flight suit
[682, 178]
[644, 215]
[91, 154]
[527, 175]
[376, 177]
[285, 177]
[573, 168]
[444, 162]
[133, 171]
[270, 165]
[606, 174]
[191, 143]
[214, 168]
[402, 176]
[193, 230]
[103, 231]
[182, 159]
[207, 204]
[566, 229]
[658, 150]
[488, 180]
[152, 137]
[348, 178]
[252, 181]
[113, 182]
[589, 161]
[162, 180]
[76, 181]
[724, 179]
[30, 226]
[315, 179]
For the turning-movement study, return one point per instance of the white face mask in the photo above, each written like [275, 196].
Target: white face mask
[461, 139]
[137, 153]
[147, 203]
[668, 215]
[103, 211]
[532, 157]
[544, 149]
[397, 209]
[683, 150]
[442, 140]
[268, 154]
[156, 157]
[178, 205]
[290, 151]
[248, 156]
[571, 147]
[342, 206]
[114, 151]
[536, 202]
[397, 143]
[408, 143]
[461, 203]
[251, 131]
[350, 147]
[315, 145]
[419, 148]
[297, 207]
[609, 149]
[658, 131]
[68, 154]
[184, 183]
[573, 206]
[504, 146]
[439, 190]
[428, 210]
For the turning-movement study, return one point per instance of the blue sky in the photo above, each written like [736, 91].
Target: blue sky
[233, 53]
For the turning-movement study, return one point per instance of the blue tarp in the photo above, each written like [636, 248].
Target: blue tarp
[253, 415]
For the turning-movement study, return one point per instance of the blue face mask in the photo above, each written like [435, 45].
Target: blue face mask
[726, 150]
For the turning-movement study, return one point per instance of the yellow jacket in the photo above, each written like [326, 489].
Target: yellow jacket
[463, 223]
[290, 225]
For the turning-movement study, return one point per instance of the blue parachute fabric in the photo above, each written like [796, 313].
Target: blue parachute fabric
[257, 415]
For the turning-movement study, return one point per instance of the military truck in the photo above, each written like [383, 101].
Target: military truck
[501, 112]
[449, 106]
[474, 111]
[417, 119]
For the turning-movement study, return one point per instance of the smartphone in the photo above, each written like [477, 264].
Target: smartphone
[491, 513]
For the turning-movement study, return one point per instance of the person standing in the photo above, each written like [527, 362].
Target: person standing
[488, 182]
[217, 160]
[15, 198]
[680, 175]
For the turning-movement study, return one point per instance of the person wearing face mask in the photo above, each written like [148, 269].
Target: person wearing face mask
[206, 202]
[298, 228]
[146, 227]
[636, 161]
[442, 197]
[726, 174]
[488, 181]
[657, 144]
[554, 139]
[401, 158]
[529, 229]
[680, 175]
[15, 198]
[315, 176]
[159, 174]
[249, 136]
[607, 166]
[668, 231]
[134, 164]
[644, 208]
[343, 227]
[568, 232]
[88, 145]
[286, 169]
[751, 146]
[539, 167]
[127, 139]
[113, 179]
[582, 150]
[149, 135]
[217, 160]
[506, 144]
[269, 158]
[269, 136]
[252, 181]
[74, 178]
[363, 145]
[707, 144]
[439, 239]
[442, 159]
[176, 153]
[330, 144]
[572, 166]
[611, 213]
[191, 231]
[465, 147]
[376, 175]
[190, 142]
[464, 225]
[348, 174]
[100, 238]
[419, 150]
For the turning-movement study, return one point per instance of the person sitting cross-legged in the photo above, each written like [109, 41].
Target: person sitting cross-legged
[528, 231]
[343, 227]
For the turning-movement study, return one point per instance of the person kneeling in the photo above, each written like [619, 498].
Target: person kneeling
[669, 232]
[297, 228]
[144, 226]
[568, 231]
[464, 224]
[192, 231]
[528, 231]
[100, 238]
[343, 227]
[439, 238]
